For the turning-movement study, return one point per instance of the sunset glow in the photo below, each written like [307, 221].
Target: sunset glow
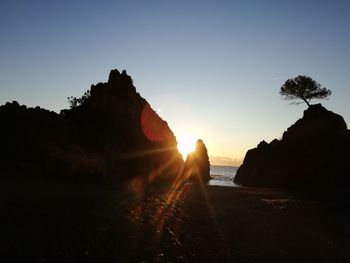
[225, 82]
[186, 143]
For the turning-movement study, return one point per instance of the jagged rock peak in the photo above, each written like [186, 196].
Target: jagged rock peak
[116, 77]
[113, 75]
[118, 83]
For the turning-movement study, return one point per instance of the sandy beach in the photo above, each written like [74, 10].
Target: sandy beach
[193, 224]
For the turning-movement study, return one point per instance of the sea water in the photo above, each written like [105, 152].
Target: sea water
[223, 175]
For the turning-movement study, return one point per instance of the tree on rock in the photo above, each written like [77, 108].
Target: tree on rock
[197, 165]
[75, 102]
[304, 88]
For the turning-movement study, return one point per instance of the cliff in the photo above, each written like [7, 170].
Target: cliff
[113, 135]
[312, 155]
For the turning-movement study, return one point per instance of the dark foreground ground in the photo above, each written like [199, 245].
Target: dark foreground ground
[194, 224]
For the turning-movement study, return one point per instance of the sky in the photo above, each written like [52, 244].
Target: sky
[212, 69]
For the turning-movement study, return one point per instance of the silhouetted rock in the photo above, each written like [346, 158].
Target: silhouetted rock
[34, 141]
[317, 122]
[313, 155]
[113, 135]
[197, 165]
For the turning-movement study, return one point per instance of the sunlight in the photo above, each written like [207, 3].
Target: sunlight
[186, 143]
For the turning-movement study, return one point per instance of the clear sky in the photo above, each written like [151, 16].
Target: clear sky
[213, 68]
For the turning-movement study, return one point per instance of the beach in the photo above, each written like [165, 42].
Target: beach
[191, 224]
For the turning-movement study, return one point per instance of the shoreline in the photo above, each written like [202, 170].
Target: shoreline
[192, 224]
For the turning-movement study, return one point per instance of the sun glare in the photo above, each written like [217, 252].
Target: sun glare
[186, 143]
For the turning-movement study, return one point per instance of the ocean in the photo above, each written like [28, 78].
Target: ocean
[223, 175]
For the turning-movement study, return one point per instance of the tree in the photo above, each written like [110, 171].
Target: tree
[304, 88]
[75, 102]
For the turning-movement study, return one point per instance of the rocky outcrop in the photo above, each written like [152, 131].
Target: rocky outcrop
[197, 165]
[113, 135]
[317, 123]
[313, 155]
[34, 141]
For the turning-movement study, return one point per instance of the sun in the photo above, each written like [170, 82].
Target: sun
[186, 143]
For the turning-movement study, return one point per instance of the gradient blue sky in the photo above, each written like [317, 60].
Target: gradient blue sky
[214, 68]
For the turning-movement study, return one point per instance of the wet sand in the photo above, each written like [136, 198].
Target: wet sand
[193, 224]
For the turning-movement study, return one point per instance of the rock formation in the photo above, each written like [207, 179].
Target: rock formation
[113, 135]
[197, 165]
[313, 155]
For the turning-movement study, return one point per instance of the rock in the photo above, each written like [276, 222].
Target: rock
[117, 121]
[107, 137]
[312, 156]
[197, 165]
[317, 122]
